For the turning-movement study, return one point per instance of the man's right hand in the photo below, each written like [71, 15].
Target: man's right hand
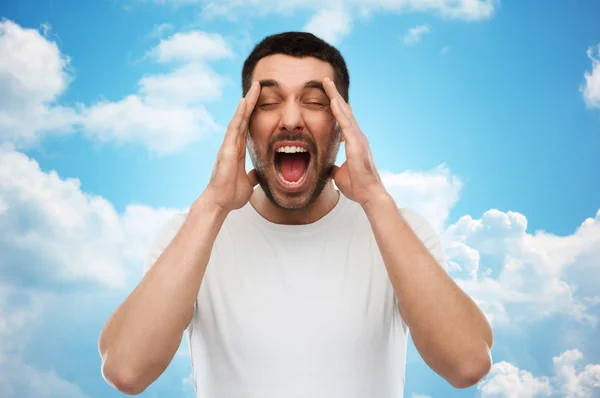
[230, 187]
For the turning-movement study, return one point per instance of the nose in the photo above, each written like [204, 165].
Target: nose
[291, 117]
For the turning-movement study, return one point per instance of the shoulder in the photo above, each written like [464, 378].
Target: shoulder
[164, 235]
[417, 221]
[169, 229]
[425, 231]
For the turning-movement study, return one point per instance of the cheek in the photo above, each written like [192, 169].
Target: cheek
[318, 120]
[322, 127]
[263, 123]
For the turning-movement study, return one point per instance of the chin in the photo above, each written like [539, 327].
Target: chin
[296, 199]
[299, 199]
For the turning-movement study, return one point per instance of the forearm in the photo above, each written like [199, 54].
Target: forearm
[448, 329]
[143, 334]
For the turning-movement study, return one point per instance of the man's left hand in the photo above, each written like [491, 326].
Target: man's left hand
[357, 178]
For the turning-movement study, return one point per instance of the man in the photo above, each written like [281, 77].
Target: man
[295, 288]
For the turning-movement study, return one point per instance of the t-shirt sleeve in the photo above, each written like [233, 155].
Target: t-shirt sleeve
[430, 238]
[427, 234]
[162, 240]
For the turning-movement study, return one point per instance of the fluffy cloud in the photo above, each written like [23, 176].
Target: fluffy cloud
[521, 277]
[160, 30]
[192, 46]
[431, 194]
[506, 380]
[18, 310]
[330, 24]
[54, 238]
[459, 9]
[165, 115]
[19, 380]
[186, 85]
[333, 23]
[414, 35]
[162, 127]
[571, 378]
[591, 88]
[33, 74]
[53, 235]
[515, 276]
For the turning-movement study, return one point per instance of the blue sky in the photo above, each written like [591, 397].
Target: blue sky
[482, 115]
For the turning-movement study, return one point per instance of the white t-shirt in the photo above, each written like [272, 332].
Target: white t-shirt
[290, 311]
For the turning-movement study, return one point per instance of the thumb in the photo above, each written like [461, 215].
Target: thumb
[333, 172]
[252, 177]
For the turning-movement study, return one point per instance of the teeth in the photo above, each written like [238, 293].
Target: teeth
[290, 149]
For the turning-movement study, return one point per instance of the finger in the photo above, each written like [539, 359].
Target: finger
[251, 99]
[333, 93]
[234, 124]
[253, 178]
[348, 128]
[344, 108]
[333, 172]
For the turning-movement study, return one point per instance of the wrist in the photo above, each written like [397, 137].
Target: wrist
[381, 201]
[206, 209]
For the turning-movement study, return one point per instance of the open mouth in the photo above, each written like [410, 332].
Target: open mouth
[291, 165]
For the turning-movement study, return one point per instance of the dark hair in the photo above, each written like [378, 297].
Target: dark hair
[300, 45]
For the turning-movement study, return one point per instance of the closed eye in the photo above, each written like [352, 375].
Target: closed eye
[267, 104]
[316, 104]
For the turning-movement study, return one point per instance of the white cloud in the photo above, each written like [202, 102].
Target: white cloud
[431, 194]
[414, 35]
[20, 380]
[459, 9]
[53, 234]
[33, 74]
[506, 380]
[330, 24]
[333, 20]
[591, 88]
[516, 277]
[165, 115]
[18, 311]
[574, 379]
[54, 239]
[571, 378]
[160, 30]
[189, 84]
[161, 127]
[192, 46]
[521, 277]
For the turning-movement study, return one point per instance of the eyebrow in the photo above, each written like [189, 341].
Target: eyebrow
[309, 84]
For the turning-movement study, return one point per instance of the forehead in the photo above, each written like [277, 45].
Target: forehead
[292, 72]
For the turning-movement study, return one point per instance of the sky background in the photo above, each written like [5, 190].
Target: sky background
[484, 116]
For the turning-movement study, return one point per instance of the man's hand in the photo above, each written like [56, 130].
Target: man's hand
[357, 178]
[230, 187]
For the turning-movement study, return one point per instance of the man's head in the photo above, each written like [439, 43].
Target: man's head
[293, 111]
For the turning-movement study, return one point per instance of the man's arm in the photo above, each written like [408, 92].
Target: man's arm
[450, 332]
[141, 337]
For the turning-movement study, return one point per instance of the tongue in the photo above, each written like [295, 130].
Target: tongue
[292, 166]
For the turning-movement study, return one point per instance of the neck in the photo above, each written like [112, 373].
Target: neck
[324, 204]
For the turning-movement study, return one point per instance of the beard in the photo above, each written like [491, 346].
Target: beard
[319, 170]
